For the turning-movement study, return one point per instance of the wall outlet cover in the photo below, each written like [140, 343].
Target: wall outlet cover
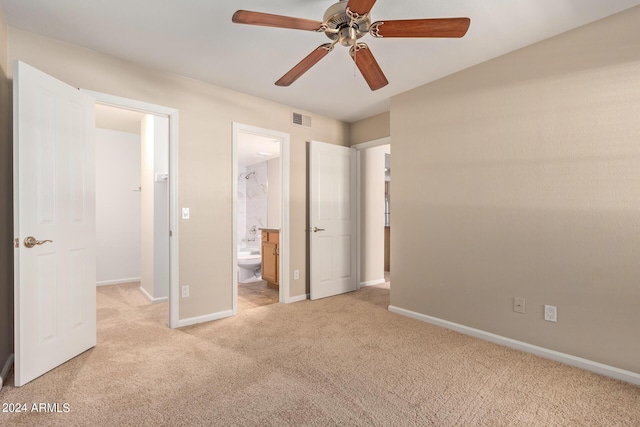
[550, 313]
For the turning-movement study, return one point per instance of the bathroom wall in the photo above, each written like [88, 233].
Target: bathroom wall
[259, 200]
[117, 207]
[256, 201]
[241, 202]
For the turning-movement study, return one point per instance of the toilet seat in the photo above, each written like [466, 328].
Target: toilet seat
[249, 261]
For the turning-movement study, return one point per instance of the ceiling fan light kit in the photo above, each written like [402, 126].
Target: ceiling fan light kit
[345, 23]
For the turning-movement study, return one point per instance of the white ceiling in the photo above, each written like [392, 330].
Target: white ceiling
[196, 38]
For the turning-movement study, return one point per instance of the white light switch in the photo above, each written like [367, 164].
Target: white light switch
[185, 213]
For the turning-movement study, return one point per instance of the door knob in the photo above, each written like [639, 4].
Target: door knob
[316, 229]
[31, 241]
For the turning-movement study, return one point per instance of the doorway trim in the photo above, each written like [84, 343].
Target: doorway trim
[284, 260]
[359, 148]
[172, 115]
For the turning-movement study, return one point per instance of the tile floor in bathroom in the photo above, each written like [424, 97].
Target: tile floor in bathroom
[256, 294]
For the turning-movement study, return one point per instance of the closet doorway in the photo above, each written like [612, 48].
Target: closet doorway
[374, 212]
[136, 200]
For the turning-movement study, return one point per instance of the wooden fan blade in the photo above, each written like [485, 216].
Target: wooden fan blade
[279, 21]
[304, 65]
[368, 66]
[443, 27]
[360, 6]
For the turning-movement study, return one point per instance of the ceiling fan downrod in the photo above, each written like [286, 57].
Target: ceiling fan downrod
[343, 25]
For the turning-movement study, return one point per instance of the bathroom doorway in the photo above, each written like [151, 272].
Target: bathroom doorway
[260, 217]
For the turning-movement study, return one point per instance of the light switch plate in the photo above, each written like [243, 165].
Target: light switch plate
[185, 213]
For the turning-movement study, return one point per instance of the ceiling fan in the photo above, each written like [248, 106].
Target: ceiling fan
[346, 22]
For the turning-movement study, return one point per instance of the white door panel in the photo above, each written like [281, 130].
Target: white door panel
[332, 181]
[55, 304]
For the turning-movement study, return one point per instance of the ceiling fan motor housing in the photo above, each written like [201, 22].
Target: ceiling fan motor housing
[342, 27]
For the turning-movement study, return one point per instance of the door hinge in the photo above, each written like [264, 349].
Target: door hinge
[170, 233]
[16, 242]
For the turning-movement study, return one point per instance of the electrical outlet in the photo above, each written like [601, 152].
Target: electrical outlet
[185, 291]
[551, 313]
[518, 305]
[296, 274]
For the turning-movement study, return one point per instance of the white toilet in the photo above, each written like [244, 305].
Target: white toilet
[249, 265]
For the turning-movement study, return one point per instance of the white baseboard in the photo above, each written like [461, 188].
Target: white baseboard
[205, 318]
[372, 282]
[152, 299]
[296, 298]
[5, 370]
[118, 281]
[589, 365]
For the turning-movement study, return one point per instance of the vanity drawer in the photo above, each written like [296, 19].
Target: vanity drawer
[270, 236]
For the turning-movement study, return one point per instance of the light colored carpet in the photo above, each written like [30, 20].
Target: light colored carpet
[339, 361]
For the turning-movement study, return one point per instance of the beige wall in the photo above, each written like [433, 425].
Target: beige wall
[6, 203]
[206, 114]
[372, 161]
[520, 177]
[370, 129]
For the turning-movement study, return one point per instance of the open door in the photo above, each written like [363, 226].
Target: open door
[332, 182]
[54, 223]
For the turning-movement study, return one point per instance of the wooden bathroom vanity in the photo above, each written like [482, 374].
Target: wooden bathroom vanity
[270, 256]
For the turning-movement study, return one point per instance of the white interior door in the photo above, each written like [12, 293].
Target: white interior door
[54, 205]
[332, 180]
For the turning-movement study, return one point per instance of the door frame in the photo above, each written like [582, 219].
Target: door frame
[359, 148]
[172, 115]
[285, 254]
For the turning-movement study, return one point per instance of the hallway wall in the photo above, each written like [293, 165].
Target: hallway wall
[117, 207]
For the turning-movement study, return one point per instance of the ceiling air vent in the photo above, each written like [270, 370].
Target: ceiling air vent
[301, 120]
